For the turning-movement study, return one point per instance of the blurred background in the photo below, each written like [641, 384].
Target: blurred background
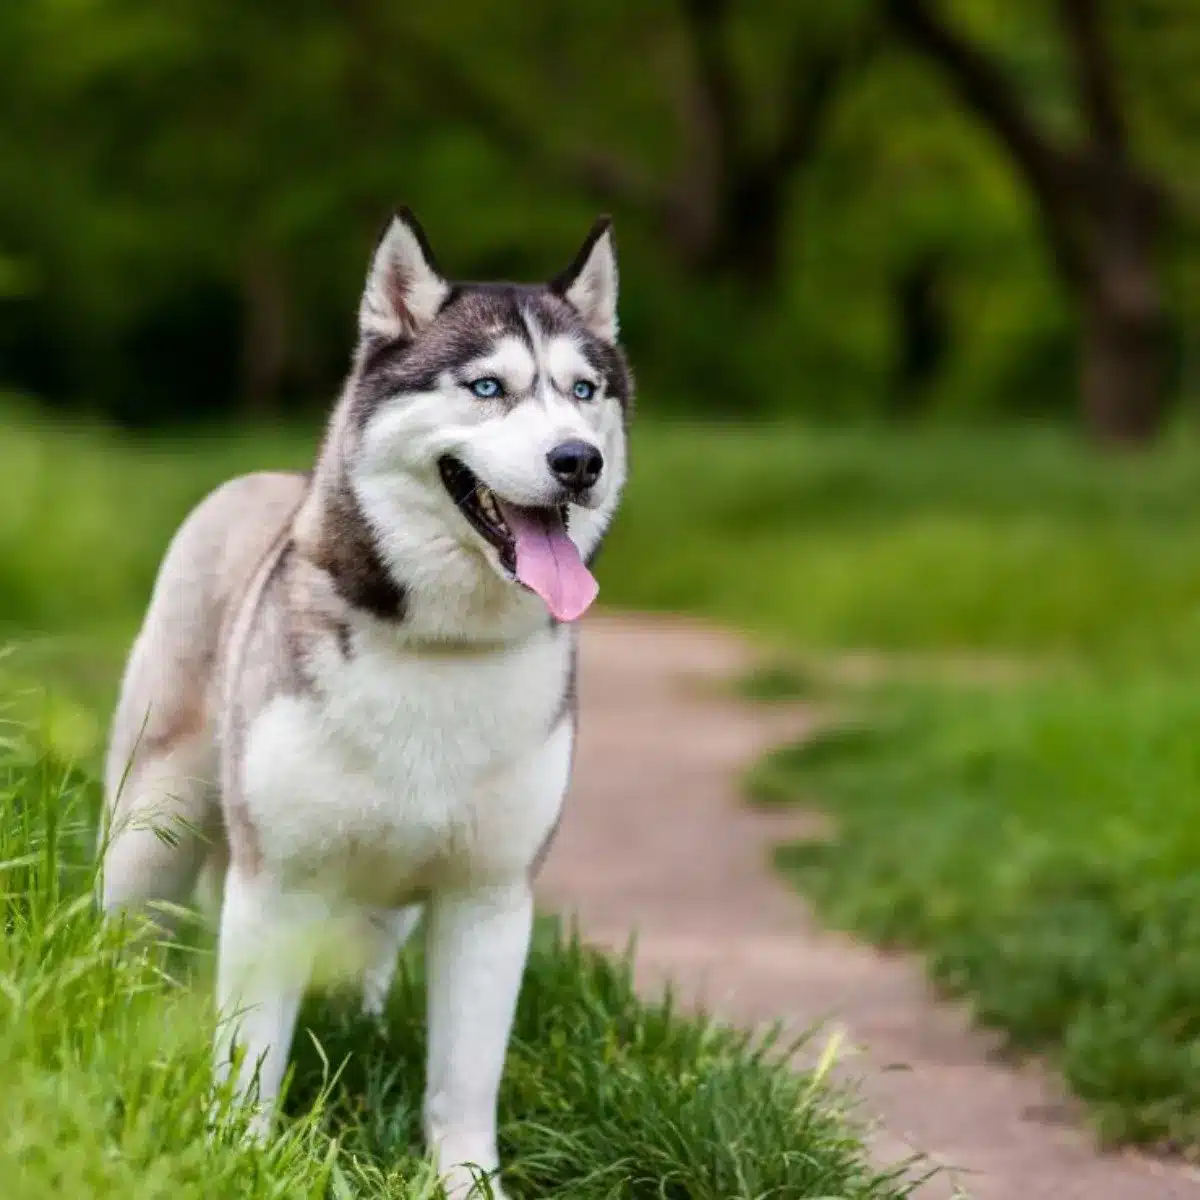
[875, 209]
[912, 291]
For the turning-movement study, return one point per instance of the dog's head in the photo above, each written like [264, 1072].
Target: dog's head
[497, 410]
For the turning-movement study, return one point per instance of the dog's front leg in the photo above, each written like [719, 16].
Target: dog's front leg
[478, 943]
[268, 941]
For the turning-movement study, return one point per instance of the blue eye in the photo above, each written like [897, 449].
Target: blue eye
[487, 388]
[583, 390]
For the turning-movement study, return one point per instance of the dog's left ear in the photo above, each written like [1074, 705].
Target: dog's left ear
[589, 284]
[404, 287]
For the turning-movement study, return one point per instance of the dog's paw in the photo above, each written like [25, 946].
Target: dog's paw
[260, 1127]
[470, 1183]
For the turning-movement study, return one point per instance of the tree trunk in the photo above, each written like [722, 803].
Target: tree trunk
[1103, 218]
[748, 245]
[1120, 371]
[265, 334]
[923, 333]
[1122, 343]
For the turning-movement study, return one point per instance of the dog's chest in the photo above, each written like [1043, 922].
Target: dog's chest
[399, 772]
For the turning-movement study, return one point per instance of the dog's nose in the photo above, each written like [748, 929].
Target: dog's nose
[575, 464]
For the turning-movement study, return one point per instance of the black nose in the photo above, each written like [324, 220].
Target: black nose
[576, 464]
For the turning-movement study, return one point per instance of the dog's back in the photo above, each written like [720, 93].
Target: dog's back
[162, 809]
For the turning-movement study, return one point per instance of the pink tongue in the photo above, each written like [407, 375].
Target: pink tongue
[548, 563]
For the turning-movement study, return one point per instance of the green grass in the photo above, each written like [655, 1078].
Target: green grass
[1003, 543]
[1016, 783]
[1042, 845]
[778, 683]
[85, 516]
[104, 1066]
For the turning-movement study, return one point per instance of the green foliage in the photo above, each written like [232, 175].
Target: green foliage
[103, 1056]
[777, 683]
[1011, 541]
[604, 1095]
[198, 190]
[104, 1059]
[86, 515]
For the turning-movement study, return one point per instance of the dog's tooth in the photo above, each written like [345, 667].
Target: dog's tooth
[491, 508]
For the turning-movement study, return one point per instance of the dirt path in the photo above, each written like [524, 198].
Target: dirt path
[657, 839]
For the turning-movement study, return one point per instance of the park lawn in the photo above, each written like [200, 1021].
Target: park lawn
[1013, 766]
[1029, 816]
[1037, 841]
[1041, 845]
[1015, 780]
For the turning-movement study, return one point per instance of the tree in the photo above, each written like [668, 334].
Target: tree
[1102, 214]
[722, 205]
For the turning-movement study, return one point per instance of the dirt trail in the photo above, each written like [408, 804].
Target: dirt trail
[657, 839]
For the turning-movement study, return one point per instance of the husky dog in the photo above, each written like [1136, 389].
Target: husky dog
[353, 695]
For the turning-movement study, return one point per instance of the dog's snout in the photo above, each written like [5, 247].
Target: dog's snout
[576, 464]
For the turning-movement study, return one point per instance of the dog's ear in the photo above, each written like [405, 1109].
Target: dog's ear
[404, 287]
[589, 284]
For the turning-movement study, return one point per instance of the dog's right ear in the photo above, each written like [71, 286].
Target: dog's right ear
[404, 287]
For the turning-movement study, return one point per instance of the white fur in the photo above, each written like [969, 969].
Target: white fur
[408, 778]
[409, 773]
[148, 850]
[510, 361]
[269, 941]
[478, 946]
[440, 772]
[392, 928]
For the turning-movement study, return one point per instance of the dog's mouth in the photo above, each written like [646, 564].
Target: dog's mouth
[531, 543]
[480, 505]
